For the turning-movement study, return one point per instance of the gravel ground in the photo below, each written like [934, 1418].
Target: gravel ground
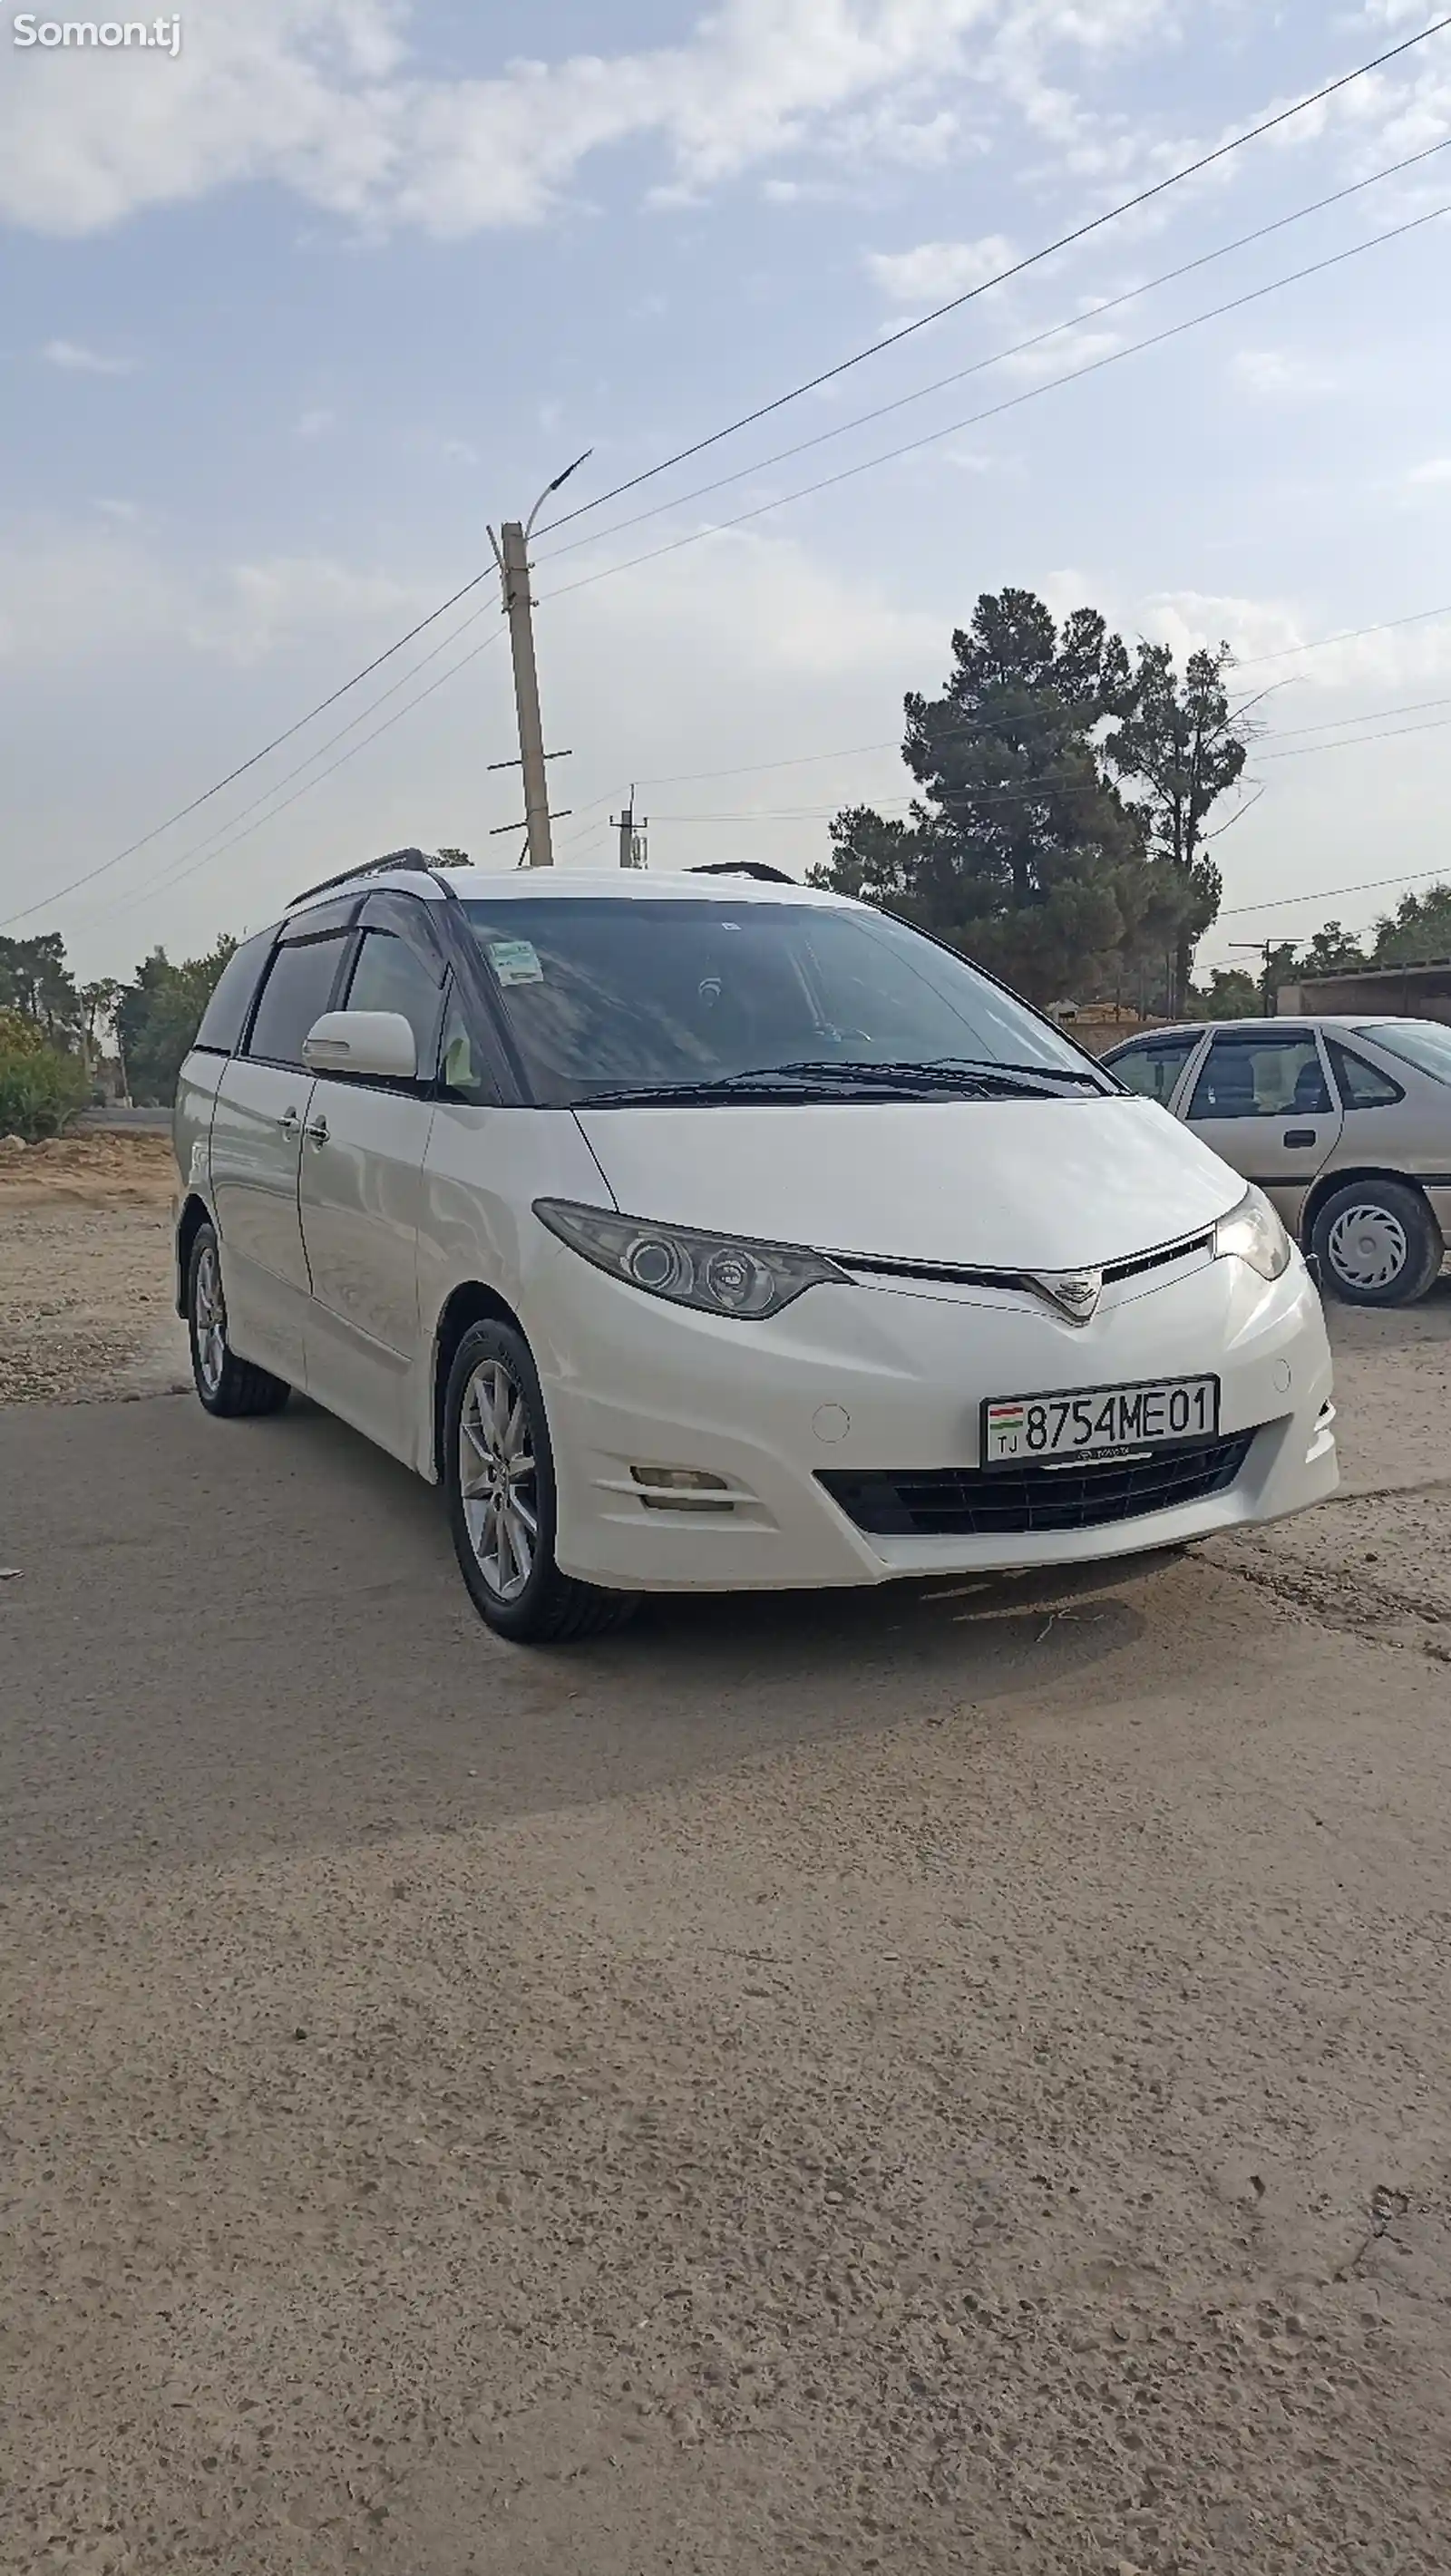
[954, 2080]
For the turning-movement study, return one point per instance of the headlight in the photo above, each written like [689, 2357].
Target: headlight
[714, 1272]
[1254, 1233]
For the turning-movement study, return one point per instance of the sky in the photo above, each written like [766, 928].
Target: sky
[298, 301]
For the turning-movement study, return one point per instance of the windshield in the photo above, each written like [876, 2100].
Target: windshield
[611, 996]
[1423, 1043]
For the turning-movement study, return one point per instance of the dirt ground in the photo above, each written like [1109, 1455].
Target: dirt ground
[950, 2082]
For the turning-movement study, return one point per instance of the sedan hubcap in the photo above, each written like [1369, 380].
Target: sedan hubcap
[497, 1479]
[210, 1320]
[1368, 1247]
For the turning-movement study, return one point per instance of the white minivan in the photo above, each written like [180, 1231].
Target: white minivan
[712, 1233]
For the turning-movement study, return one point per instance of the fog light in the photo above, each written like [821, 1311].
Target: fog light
[681, 1489]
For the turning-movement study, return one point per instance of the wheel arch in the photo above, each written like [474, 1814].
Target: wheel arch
[468, 1304]
[195, 1213]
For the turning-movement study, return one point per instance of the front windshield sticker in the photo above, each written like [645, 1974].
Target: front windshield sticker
[515, 961]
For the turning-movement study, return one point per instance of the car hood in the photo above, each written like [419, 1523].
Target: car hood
[1019, 1184]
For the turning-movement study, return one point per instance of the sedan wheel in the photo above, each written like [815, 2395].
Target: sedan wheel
[1378, 1243]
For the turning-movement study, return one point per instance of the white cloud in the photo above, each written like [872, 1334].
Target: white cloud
[315, 424]
[1281, 375]
[76, 593]
[1436, 470]
[936, 270]
[329, 98]
[1067, 353]
[1265, 636]
[74, 359]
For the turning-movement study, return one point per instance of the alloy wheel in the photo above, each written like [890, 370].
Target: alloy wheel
[210, 1319]
[497, 1478]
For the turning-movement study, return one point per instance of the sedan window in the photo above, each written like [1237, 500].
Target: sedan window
[1424, 1043]
[1258, 1076]
[1154, 1068]
[1362, 1085]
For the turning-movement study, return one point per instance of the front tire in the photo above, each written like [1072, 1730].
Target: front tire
[230, 1388]
[502, 1508]
[1378, 1243]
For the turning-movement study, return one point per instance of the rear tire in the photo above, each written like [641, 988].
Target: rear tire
[498, 1473]
[1377, 1243]
[229, 1388]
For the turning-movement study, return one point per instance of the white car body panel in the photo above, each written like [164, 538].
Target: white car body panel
[953, 1181]
[362, 1194]
[254, 1169]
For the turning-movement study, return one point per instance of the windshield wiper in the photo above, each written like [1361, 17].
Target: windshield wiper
[979, 1076]
[966, 1076]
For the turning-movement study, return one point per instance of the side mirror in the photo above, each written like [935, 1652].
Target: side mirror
[377, 1042]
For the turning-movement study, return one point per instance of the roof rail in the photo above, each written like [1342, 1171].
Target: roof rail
[409, 862]
[743, 868]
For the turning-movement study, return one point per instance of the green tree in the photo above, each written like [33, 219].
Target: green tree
[1418, 931]
[157, 1016]
[1332, 951]
[36, 981]
[1230, 994]
[1182, 746]
[1020, 848]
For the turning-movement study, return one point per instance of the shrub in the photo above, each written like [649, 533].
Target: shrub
[40, 1089]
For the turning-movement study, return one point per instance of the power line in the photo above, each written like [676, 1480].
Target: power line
[1065, 241]
[1347, 635]
[1013, 402]
[1000, 357]
[1329, 894]
[250, 763]
[207, 853]
[763, 411]
[164, 876]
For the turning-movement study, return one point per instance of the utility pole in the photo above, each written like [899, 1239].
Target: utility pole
[511, 553]
[1264, 949]
[632, 836]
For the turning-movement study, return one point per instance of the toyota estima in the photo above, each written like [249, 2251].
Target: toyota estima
[710, 1233]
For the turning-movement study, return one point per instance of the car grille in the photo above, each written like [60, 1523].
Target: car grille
[1003, 1502]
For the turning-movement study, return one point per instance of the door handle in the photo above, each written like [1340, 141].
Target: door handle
[1299, 1135]
[288, 1122]
[318, 1131]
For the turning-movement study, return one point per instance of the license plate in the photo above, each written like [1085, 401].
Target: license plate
[1098, 1421]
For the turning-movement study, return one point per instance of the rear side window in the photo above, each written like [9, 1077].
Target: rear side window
[225, 1015]
[1155, 1070]
[1258, 1076]
[298, 990]
[1362, 1085]
[391, 976]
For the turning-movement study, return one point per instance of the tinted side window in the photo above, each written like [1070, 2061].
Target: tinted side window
[1154, 1070]
[225, 1015]
[391, 976]
[1261, 1077]
[297, 991]
[1362, 1085]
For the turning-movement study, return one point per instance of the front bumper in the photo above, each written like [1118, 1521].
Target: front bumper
[891, 1378]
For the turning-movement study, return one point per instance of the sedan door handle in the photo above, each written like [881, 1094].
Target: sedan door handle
[288, 1122]
[1299, 1135]
[318, 1131]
